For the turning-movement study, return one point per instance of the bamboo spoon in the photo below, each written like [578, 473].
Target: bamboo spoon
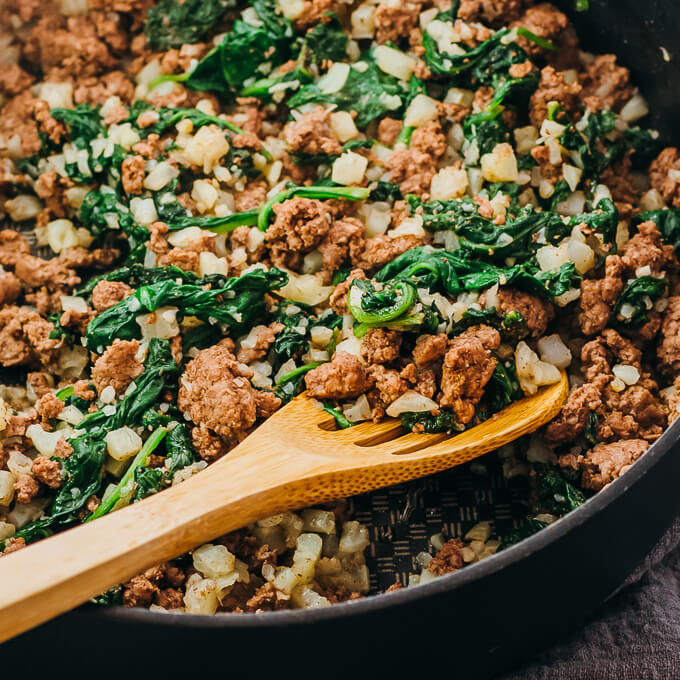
[295, 458]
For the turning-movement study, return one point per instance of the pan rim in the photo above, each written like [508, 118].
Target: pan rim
[442, 584]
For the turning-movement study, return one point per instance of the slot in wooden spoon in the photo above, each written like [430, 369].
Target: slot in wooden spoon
[292, 460]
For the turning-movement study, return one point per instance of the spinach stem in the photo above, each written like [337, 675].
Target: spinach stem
[405, 135]
[340, 418]
[65, 392]
[218, 225]
[139, 460]
[299, 371]
[405, 297]
[319, 193]
[541, 42]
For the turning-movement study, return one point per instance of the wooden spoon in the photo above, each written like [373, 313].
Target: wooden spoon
[294, 459]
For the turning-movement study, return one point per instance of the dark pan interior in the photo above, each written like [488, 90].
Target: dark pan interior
[488, 616]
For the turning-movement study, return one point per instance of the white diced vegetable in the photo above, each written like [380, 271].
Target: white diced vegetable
[213, 561]
[122, 443]
[349, 168]
[394, 62]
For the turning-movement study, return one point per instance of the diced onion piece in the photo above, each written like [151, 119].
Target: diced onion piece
[449, 183]
[25, 513]
[57, 95]
[122, 443]
[376, 218]
[354, 537]
[303, 597]
[628, 374]
[500, 165]
[108, 394]
[652, 200]
[420, 111]
[574, 205]
[312, 262]
[23, 207]
[359, 411]
[342, 125]
[319, 521]
[572, 175]
[250, 340]
[581, 255]
[617, 385]
[72, 361]
[554, 351]
[160, 176]
[456, 95]
[525, 139]
[351, 345]
[531, 371]
[209, 263]
[634, 109]
[551, 129]
[201, 596]
[206, 147]
[45, 442]
[6, 530]
[61, 234]
[566, 298]
[124, 134]
[182, 238]
[349, 168]
[71, 414]
[7, 480]
[292, 9]
[161, 323]
[71, 303]
[550, 258]
[363, 22]
[411, 401]
[213, 561]
[305, 288]
[143, 210]
[307, 553]
[320, 335]
[601, 191]
[410, 226]
[335, 79]
[150, 72]
[476, 180]
[479, 532]
[394, 62]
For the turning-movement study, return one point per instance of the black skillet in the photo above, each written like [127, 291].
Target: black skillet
[475, 623]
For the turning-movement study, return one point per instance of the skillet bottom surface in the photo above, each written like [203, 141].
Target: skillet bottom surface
[401, 519]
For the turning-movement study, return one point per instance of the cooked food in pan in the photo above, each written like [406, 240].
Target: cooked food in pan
[415, 210]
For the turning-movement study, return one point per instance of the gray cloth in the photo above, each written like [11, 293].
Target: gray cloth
[634, 636]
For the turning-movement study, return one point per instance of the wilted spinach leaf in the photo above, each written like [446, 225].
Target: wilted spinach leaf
[639, 296]
[172, 23]
[236, 304]
[556, 495]
[445, 421]
[367, 90]
[326, 40]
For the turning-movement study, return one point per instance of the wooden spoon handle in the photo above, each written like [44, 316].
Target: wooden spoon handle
[65, 570]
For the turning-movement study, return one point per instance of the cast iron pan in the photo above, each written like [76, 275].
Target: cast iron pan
[475, 623]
